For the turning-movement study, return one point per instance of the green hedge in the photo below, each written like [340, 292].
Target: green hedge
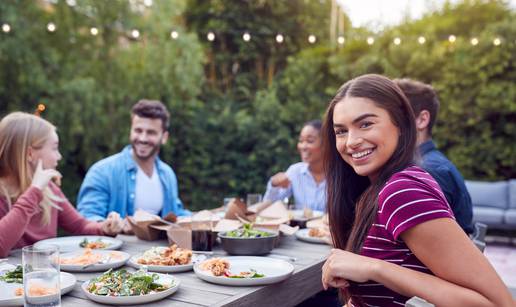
[230, 134]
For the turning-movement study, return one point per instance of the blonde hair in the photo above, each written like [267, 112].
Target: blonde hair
[18, 132]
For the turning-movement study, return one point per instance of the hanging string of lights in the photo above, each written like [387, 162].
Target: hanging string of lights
[279, 38]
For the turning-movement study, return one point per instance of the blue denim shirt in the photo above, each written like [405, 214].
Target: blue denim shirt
[109, 186]
[451, 182]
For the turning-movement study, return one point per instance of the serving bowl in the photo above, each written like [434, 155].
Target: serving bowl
[248, 246]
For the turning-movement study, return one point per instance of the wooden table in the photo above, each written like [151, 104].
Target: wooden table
[305, 282]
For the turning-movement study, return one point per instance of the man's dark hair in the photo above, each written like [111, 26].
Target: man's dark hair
[421, 97]
[152, 109]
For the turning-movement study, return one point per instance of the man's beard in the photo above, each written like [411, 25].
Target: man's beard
[150, 155]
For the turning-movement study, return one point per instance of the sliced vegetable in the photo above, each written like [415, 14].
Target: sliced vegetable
[13, 276]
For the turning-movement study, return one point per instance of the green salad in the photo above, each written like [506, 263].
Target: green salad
[93, 244]
[248, 232]
[13, 276]
[124, 283]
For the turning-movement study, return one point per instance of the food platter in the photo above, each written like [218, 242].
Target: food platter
[73, 243]
[171, 282]
[303, 235]
[266, 271]
[8, 295]
[92, 260]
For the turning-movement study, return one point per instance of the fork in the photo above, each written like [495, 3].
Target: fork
[102, 261]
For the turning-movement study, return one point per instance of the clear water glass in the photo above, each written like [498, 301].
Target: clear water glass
[253, 199]
[227, 200]
[41, 284]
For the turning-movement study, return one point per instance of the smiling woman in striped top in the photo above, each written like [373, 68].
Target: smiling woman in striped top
[394, 232]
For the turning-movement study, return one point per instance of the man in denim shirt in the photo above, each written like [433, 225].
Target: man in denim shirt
[134, 178]
[425, 104]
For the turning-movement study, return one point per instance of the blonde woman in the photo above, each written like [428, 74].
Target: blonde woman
[32, 205]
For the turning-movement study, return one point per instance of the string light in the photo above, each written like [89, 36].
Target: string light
[6, 28]
[280, 38]
[51, 27]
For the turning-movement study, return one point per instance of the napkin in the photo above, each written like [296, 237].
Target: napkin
[179, 235]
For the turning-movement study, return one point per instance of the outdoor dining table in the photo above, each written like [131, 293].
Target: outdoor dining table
[307, 259]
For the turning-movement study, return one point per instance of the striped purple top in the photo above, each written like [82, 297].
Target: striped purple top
[409, 197]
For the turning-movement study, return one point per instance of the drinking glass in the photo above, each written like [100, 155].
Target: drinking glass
[41, 285]
[201, 233]
[253, 199]
[227, 200]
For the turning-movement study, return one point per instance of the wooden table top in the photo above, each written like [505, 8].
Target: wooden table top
[307, 259]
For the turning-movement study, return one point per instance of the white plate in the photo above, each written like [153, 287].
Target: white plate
[7, 297]
[137, 299]
[302, 234]
[70, 244]
[275, 270]
[166, 268]
[298, 215]
[116, 259]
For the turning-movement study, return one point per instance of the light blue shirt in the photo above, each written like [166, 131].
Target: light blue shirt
[307, 192]
[110, 185]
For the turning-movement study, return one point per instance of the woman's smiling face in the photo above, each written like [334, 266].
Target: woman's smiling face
[365, 135]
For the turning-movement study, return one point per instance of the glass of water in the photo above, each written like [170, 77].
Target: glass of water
[253, 199]
[227, 200]
[41, 284]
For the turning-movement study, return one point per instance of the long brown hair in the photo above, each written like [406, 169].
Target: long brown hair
[352, 200]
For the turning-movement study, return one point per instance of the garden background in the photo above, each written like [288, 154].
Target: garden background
[237, 106]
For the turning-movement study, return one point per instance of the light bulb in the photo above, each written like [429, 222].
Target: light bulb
[6, 28]
[51, 27]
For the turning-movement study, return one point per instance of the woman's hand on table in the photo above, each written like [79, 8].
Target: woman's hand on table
[280, 180]
[113, 225]
[343, 266]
